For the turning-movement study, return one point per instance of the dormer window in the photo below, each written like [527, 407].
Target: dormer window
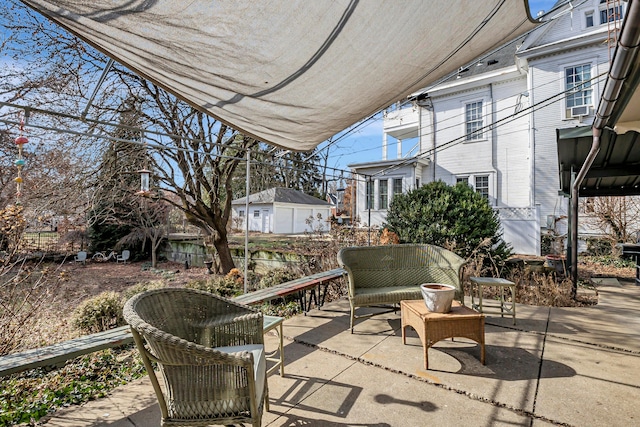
[588, 19]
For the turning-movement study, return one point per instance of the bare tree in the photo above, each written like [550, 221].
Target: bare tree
[618, 217]
[152, 225]
[193, 158]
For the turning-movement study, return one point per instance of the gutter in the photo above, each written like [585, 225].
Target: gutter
[621, 66]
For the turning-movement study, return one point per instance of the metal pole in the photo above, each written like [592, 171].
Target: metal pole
[369, 188]
[246, 225]
[95, 90]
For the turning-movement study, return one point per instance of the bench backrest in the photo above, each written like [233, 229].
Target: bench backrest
[400, 265]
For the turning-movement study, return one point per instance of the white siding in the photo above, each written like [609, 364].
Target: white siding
[503, 154]
[377, 216]
[547, 79]
[256, 221]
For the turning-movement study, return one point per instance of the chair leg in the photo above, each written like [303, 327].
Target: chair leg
[266, 395]
[352, 318]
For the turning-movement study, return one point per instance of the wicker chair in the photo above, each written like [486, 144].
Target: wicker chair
[209, 351]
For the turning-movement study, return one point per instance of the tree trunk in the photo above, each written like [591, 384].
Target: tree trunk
[224, 254]
[154, 258]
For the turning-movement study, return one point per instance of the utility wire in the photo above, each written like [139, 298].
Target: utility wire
[541, 104]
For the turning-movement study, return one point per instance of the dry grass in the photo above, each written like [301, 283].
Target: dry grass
[544, 287]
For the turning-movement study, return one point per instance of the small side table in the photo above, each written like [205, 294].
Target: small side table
[432, 327]
[277, 356]
[477, 285]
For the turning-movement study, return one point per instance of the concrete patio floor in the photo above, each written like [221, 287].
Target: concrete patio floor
[557, 366]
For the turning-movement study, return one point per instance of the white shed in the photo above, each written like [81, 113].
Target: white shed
[281, 211]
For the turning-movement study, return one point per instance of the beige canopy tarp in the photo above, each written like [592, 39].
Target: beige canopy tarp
[291, 72]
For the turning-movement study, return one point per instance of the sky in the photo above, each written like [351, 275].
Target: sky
[365, 143]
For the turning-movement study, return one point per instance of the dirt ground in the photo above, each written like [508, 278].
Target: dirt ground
[85, 281]
[53, 323]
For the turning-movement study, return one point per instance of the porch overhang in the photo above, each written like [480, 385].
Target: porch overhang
[615, 170]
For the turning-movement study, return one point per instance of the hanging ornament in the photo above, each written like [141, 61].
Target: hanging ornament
[20, 162]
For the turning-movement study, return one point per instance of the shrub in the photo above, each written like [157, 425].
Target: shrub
[25, 288]
[285, 309]
[100, 313]
[599, 246]
[12, 225]
[225, 286]
[141, 287]
[455, 217]
[277, 276]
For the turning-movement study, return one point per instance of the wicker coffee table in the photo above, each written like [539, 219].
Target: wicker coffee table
[431, 327]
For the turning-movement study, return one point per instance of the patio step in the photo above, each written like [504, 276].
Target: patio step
[57, 355]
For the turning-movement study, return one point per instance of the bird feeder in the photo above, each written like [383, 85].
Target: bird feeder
[145, 176]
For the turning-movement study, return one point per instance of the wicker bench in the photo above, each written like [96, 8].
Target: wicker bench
[383, 275]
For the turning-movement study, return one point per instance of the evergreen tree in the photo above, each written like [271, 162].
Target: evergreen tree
[111, 216]
[454, 217]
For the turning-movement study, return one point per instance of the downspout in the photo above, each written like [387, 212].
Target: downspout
[623, 60]
[432, 111]
[493, 145]
[573, 255]
[427, 104]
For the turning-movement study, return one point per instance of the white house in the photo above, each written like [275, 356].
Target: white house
[493, 124]
[281, 211]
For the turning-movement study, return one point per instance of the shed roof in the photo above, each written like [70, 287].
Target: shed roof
[282, 195]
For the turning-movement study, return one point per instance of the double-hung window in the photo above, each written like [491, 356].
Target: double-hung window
[397, 186]
[588, 19]
[369, 195]
[463, 179]
[383, 192]
[473, 121]
[579, 90]
[482, 185]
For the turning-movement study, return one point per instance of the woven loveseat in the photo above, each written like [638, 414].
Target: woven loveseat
[210, 354]
[380, 275]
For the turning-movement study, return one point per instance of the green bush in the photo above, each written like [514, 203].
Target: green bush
[454, 217]
[141, 287]
[284, 309]
[277, 276]
[100, 313]
[597, 246]
[224, 286]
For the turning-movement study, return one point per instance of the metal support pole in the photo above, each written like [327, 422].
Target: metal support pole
[369, 187]
[246, 225]
[95, 90]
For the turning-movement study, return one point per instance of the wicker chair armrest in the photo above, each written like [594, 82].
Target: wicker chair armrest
[170, 350]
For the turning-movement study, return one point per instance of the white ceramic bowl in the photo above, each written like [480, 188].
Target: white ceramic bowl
[438, 296]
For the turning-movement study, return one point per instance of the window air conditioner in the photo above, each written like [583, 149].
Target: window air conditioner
[579, 111]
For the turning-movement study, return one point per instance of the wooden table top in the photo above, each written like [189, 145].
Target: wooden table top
[457, 310]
